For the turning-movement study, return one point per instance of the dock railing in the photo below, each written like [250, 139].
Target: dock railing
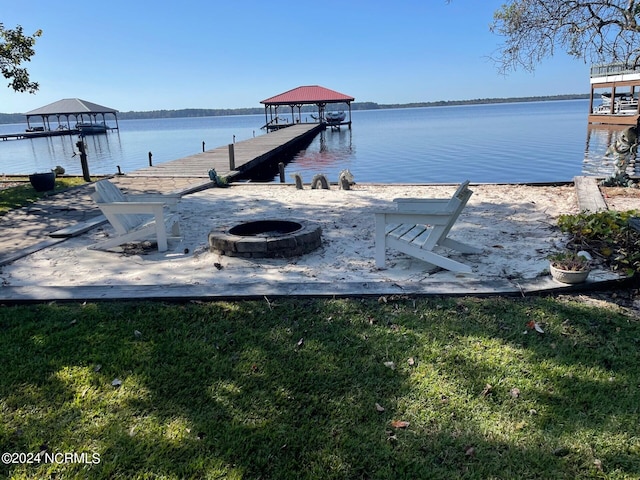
[606, 69]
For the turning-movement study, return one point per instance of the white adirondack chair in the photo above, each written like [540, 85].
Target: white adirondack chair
[136, 217]
[417, 226]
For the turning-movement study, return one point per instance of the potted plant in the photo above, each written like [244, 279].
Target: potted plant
[43, 182]
[570, 267]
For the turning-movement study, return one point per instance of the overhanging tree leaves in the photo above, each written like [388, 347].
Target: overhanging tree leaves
[595, 31]
[15, 49]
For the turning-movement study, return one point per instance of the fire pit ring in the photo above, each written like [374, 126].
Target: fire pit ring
[269, 238]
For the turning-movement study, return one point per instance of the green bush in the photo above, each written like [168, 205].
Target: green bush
[606, 234]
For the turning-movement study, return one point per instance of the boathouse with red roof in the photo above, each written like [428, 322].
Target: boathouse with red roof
[306, 95]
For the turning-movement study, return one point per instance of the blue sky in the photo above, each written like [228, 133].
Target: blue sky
[142, 55]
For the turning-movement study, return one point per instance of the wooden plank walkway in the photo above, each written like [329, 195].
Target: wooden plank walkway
[248, 154]
[588, 194]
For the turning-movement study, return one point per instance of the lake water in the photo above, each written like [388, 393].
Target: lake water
[516, 142]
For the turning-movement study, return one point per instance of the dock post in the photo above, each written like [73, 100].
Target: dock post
[83, 160]
[203, 146]
[150, 161]
[281, 170]
[232, 157]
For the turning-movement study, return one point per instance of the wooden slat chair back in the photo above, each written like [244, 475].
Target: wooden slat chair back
[417, 226]
[107, 192]
[136, 217]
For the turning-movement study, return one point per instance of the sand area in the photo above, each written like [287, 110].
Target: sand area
[513, 224]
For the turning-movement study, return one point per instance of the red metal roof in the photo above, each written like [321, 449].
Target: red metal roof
[308, 94]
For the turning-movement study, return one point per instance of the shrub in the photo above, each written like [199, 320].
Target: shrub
[608, 235]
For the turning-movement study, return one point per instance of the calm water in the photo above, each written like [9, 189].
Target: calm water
[520, 142]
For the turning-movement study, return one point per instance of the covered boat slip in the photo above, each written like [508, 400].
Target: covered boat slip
[614, 94]
[71, 116]
[88, 117]
[298, 97]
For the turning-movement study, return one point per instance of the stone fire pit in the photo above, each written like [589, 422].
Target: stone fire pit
[267, 239]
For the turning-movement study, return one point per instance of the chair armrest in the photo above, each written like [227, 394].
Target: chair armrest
[144, 198]
[416, 218]
[421, 200]
[131, 207]
[416, 205]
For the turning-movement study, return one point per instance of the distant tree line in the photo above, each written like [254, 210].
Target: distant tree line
[215, 112]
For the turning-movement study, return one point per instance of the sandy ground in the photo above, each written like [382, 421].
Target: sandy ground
[513, 224]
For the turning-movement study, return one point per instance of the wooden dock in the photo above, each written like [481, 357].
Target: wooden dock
[248, 154]
[38, 134]
[47, 133]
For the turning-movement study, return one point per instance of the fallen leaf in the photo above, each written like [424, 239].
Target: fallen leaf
[411, 361]
[515, 392]
[391, 365]
[399, 424]
[470, 451]
[137, 333]
[300, 342]
[487, 390]
[533, 325]
[598, 464]
[379, 407]
[116, 382]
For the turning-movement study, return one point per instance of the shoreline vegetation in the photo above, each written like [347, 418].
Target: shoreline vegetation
[6, 118]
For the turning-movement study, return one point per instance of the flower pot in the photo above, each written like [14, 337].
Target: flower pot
[568, 276]
[43, 182]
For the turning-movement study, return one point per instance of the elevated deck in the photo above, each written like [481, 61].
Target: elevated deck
[618, 86]
[248, 155]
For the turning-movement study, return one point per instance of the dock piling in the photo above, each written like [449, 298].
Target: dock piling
[232, 157]
[83, 160]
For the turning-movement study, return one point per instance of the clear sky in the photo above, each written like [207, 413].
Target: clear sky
[144, 55]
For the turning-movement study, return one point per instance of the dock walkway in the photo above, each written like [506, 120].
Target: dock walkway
[248, 154]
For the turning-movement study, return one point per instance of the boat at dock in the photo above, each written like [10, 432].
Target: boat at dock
[623, 104]
[334, 117]
[86, 128]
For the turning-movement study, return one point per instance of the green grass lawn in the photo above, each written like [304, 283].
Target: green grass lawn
[22, 195]
[312, 389]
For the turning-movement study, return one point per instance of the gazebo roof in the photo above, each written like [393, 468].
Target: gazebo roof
[308, 95]
[70, 106]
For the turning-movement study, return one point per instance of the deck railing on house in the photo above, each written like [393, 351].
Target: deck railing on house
[603, 70]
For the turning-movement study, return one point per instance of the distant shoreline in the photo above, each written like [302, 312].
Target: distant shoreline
[6, 118]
